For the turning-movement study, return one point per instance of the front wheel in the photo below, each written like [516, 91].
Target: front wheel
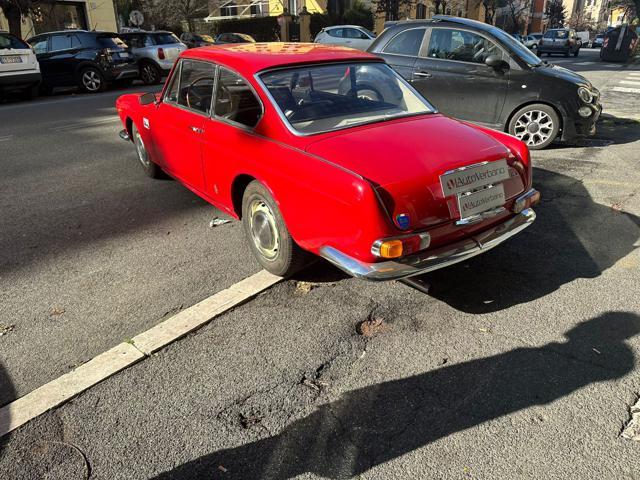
[268, 235]
[151, 169]
[537, 125]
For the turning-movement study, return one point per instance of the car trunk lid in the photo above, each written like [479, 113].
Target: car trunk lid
[405, 159]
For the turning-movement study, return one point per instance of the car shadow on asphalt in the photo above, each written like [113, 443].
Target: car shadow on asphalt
[573, 237]
[610, 130]
[376, 424]
[7, 394]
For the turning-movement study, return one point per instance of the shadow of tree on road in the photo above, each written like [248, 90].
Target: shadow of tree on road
[373, 425]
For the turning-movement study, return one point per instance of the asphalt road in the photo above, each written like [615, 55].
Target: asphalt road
[521, 363]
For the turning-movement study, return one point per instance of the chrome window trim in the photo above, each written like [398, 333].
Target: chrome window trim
[297, 133]
[424, 36]
[480, 34]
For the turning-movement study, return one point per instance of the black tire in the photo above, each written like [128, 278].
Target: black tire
[575, 54]
[30, 93]
[150, 74]
[90, 80]
[548, 125]
[45, 89]
[267, 233]
[150, 169]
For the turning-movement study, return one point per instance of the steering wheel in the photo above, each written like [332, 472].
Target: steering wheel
[225, 98]
[193, 97]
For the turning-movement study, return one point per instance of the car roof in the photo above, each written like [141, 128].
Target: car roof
[442, 19]
[250, 58]
[342, 26]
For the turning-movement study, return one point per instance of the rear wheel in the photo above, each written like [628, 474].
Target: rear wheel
[537, 125]
[151, 169]
[268, 235]
[150, 74]
[91, 80]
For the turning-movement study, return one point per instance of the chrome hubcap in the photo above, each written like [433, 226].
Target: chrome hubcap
[91, 80]
[534, 127]
[142, 152]
[264, 232]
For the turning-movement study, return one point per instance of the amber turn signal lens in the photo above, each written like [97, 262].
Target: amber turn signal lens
[391, 249]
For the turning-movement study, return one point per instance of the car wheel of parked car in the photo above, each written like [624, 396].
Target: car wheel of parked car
[151, 169]
[150, 74]
[30, 92]
[91, 80]
[268, 235]
[575, 54]
[536, 125]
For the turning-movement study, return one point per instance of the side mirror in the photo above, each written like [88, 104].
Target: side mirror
[147, 98]
[494, 61]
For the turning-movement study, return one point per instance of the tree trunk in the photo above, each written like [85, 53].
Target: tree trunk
[15, 20]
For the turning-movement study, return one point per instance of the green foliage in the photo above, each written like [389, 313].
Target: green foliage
[555, 13]
[358, 14]
[263, 29]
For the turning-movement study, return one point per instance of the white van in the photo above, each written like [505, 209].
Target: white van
[19, 68]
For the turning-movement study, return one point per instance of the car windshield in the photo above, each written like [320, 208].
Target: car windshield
[334, 96]
[107, 40]
[516, 47]
[9, 41]
[245, 37]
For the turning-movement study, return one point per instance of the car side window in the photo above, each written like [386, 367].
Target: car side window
[406, 43]
[60, 42]
[196, 85]
[335, 32]
[235, 100]
[39, 45]
[461, 45]
[171, 94]
[353, 33]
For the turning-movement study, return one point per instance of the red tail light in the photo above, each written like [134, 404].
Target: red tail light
[161, 54]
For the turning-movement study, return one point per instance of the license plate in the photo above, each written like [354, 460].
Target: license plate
[471, 178]
[481, 201]
[13, 59]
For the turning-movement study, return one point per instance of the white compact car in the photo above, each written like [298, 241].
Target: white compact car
[19, 68]
[352, 36]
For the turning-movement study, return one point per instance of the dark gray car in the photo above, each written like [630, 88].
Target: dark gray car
[477, 72]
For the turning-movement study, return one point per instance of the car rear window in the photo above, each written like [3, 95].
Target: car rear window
[110, 41]
[165, 38]
[9, 41]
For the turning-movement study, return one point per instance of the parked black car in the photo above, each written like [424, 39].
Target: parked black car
[194, 40]
[90, 60]
[477, 72]
[563, 41]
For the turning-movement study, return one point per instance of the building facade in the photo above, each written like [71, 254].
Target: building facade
[68, 14]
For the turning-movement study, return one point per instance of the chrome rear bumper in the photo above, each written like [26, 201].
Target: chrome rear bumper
[431, 259]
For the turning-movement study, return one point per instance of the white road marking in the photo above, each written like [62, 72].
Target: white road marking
[634, 74]
[628, 82]
[586, 63]
[612, 65]
[62, 389]
[626, 90]
[6, 138]
[88, 124]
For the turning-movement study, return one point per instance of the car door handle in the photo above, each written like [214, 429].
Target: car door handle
[196, 129]
[423, 74]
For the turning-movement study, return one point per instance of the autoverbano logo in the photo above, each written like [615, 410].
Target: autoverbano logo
[474, 177]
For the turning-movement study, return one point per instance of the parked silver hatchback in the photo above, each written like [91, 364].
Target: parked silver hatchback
[156, 52]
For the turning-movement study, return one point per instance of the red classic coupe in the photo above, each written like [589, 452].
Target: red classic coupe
[314, 161]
